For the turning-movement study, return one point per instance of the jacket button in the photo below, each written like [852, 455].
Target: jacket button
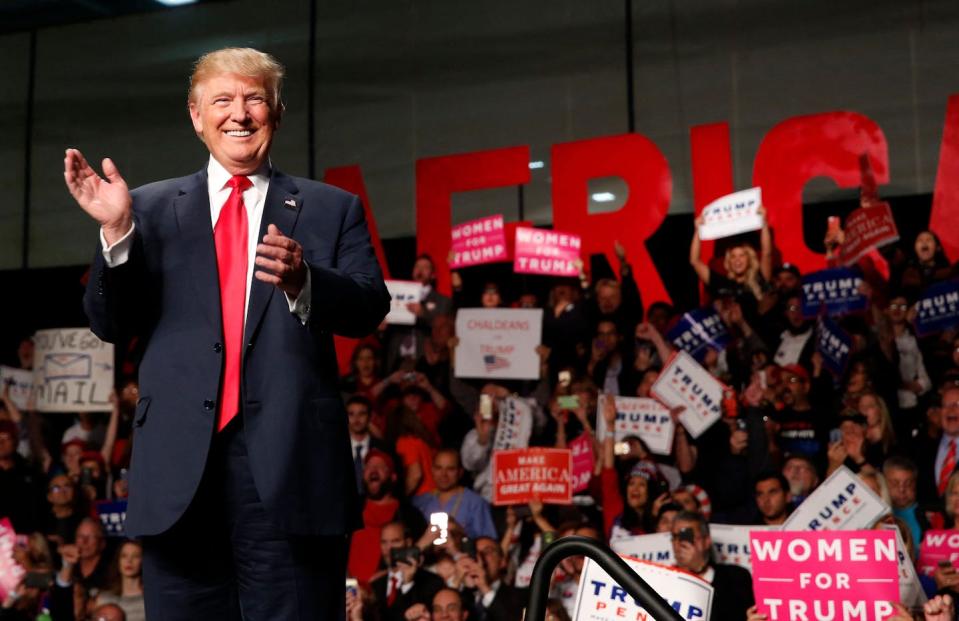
[208, 405]
[218, 347]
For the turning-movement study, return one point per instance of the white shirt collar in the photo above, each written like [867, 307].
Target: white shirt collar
[217, 176]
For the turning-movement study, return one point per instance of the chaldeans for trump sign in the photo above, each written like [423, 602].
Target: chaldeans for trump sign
[599, 598]
[520, 475]
[683, 382]
[842, 576]
[498, 342]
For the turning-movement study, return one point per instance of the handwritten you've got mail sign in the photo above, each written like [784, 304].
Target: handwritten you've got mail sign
[72, 371]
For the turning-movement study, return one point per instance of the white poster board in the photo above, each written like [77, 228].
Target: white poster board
[515, 424]
[732, 214]
[911, 593]
[21, 385]
[684, 382]
[72, 371]
[842, 502]
[402, 293]
[731, 543]
[647, 419]
[654, 548]
[599, 598]
[498, 342]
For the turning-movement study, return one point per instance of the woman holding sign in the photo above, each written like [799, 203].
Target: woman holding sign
[745, 275]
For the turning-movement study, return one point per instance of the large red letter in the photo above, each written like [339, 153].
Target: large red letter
[350, 178]
[641, 165]
[438, 177]
[803, 147]
[944, 219]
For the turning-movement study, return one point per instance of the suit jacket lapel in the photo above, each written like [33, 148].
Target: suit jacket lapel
[282, 208]
[192, 211]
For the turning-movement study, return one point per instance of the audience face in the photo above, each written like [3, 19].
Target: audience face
[131, 560]
[794, 388]
[446, 471]
[793, 312]
[365, 362]
[89, 540]
[358, 419]
[637, 493]
[951, 499]
[925, 246]
[71, 459]
[448, 606]
[490, 556]
[608, 298]
[607, 333]
[108, 612]
[690, 556]
[771, 499]
[8, 446]
[491, 297]
[60, 491]
[902, 487]
[130, 394]
[950, 411]
[897, 309]
[391, 537]
[423, 271]
[649, 378]
[869, 407]
[377, 477]
[25, 353]
[801, 475]
[685, 499]
[665, 522]
[785, 280]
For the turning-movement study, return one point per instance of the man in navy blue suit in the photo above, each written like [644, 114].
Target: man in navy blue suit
[236, 278]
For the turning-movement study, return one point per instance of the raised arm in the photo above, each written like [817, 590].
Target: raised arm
[701, 269]
[765, 248]
[106, 200]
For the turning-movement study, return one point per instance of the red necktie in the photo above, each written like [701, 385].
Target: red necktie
[948, 465]
[394, 587]
[230, 234]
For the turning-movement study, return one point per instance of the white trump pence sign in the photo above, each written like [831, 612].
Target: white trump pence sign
[684, 382]
[599, 598]
[403, 293]
[498, 342]
[842, 502]
[647, 419]
[732, 214]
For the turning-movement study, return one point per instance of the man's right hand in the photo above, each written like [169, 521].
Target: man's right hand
[108, 201]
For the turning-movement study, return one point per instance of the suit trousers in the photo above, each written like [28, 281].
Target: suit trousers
[224, 559]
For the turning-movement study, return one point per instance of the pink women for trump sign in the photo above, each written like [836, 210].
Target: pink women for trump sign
[478, 241]
[836, 575]
[550, 253]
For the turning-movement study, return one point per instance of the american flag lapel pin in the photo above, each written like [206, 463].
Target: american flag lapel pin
[290, 203]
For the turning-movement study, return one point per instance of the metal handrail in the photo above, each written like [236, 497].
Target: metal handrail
[617, 569]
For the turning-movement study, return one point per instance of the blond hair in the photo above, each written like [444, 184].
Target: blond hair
[244, 61]
[750, 278]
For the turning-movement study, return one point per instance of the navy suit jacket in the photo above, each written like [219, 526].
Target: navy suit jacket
[167, 294]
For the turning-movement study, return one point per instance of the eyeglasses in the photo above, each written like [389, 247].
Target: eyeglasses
[58, 488]
[901, 307]
[793, 308]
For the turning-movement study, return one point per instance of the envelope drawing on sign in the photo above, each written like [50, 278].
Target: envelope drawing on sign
[67, 366]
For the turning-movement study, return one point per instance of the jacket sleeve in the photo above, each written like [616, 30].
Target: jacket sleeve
[350, 299]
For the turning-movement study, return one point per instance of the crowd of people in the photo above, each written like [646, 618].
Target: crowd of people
[422, 442]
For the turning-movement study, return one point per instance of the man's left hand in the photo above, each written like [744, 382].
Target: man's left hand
[280, 260]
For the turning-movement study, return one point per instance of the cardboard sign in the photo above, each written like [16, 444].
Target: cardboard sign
[833, 344]
[515, 424]
[72, 371]
[583, 462]
[938, 308]
[654, 548]
[21, 385]
[841, 502]
[113, 515]
[698, 330]
[599, 598]
[938, 545]
[403, 292]
[867, 228]
[498, 342]
[731, 543]
[835, 291]
[850, 575]
[550, 253]
[519, 475]
[732, 214]
[11, 572]
[684, 382]
[479, 241]
[647, 419]
[911, 593]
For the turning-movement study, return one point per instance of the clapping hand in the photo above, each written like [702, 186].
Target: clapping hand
[107, 201]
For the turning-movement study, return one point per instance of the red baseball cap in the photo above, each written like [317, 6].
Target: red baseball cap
[796, 369]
